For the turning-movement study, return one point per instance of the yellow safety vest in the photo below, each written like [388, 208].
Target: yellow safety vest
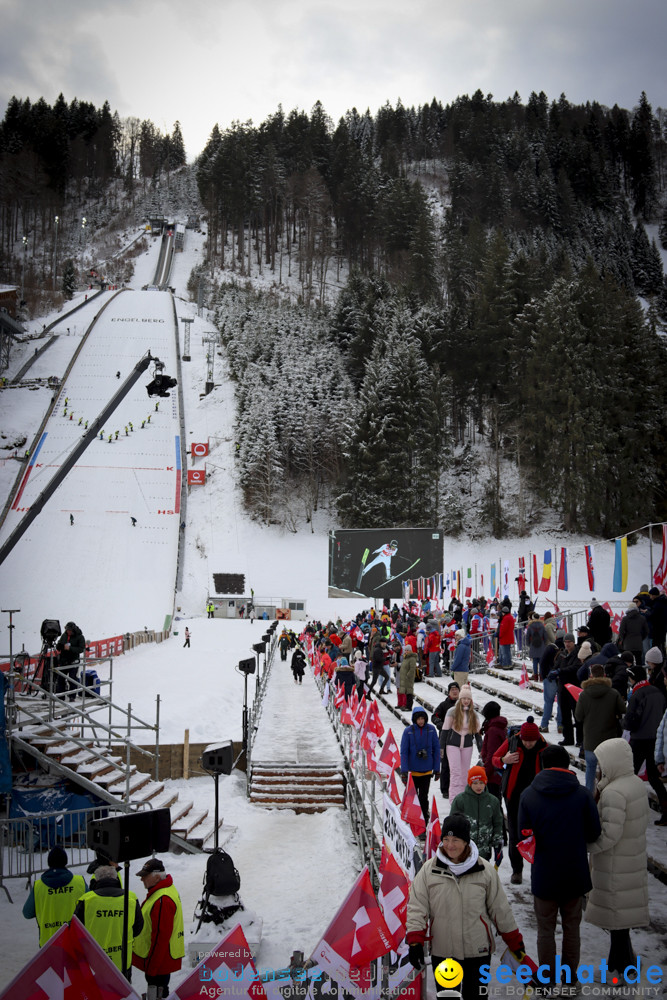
[142, 943]
[54, 905]
[103, 917]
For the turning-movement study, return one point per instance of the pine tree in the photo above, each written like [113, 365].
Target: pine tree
[69, 279]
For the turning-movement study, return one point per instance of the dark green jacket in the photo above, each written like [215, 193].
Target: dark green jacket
[486, 819]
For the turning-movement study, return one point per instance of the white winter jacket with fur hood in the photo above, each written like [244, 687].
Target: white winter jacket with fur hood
[619, 897]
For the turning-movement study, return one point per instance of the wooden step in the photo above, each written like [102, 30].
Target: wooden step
[137, 781]
[148, 792]
[178, 811]
[203, 832]
[188, 823]
[103, 770]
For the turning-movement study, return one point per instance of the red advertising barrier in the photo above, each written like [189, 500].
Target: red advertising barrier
[199, 449]
[196, 477]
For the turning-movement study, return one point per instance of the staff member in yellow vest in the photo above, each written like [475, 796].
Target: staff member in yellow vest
[101, 912]
[160, 947]
[54, 896]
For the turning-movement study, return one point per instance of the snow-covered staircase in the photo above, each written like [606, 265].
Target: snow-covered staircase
[104, 773]
[303, 788]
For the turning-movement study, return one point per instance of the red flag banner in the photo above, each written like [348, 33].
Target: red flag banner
[660, 574]
[373, 720]
[199, 449]
[393, 898]
[390, 757]
[392, 789]
[411, 810]
[357, 935]
[196, 477]
[230, 961]
[590, 568]
[71, 965]
[433, 831]
[339, 699]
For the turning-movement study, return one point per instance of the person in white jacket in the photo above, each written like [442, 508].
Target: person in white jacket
[619, 897]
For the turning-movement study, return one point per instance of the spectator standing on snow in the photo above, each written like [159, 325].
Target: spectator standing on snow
[494, 734]
[407, 672]
[632, 632]
[432, 649]
[160, 947]
[536, 638]
[437, 719]
[101, 911]
[599, 623]
[646, 707]
[484, 813]
[505, 637]
[420, 756]
[462, 654]
[519, 754]
[599, 710]
[618, 900]
[457, 898]
[462, 728]
[298, 665]
[564, 820]
[187, 638]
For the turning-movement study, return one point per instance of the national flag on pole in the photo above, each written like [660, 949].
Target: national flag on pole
[393, 897]
[469, 584]
[390, 756]
[621, 565]
[660, 574]
[346, 717]
[536, 579]
[339, 699]
[458, 581]
[70, 965]
[506, 578]
[359, 714]
[525, 680]
[562, 572]
[230, 962]
[354, 700]
[546, 571]
[433, 831]
[371, 763]
[493, 578]
[373, 720]
[590, 568]
[369, 737]
[490, 655]
[522, 573]
[411, 810]
[392, 789]
[357, 935]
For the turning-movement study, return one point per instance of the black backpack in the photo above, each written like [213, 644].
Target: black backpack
[222, 878]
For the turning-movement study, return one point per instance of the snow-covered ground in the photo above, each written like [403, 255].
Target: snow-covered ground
[295, 870]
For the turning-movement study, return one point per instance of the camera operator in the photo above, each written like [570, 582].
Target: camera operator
[70, 646]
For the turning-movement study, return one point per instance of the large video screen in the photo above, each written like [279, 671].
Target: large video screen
[374, 562]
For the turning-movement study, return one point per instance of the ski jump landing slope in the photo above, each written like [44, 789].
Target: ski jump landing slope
[101, 571]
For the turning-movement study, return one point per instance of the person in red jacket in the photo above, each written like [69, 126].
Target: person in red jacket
[432, 650]
[505, 639]
[521, 755]
[160, 947]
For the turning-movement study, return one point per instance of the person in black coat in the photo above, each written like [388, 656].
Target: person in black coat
[599, 623]
[565, 670]
[71, 646]
[437, 719]
[563, 818]
[617, 670]
[657, 618]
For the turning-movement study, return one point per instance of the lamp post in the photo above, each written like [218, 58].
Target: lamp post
[55, 255]
[83, 230]
[25, 253]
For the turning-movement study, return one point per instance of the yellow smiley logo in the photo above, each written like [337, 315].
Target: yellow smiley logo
[449, 973]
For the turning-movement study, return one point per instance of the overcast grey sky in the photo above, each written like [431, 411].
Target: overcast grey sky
[207, 61]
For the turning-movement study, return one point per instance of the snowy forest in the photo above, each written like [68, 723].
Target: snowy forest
[478, 335]
[497, 351]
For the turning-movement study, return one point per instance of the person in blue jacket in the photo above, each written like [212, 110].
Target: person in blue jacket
[420, 755]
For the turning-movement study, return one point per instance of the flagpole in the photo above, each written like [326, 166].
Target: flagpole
[554, 570]
[476, 579]
[650, 553]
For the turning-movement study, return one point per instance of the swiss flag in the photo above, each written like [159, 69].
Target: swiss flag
[411, 811]
[390, 757]
[369, 737]
[393, 897]
[357, 935]
[346, 717]
[433, 831]
[525, 680]
[317, 665]
[392, 789]
[373, 720]
[490, 655]
[230, 961]
[71, 965]
[354, 700]
[339, 699]
[360, 713]
[371, 763]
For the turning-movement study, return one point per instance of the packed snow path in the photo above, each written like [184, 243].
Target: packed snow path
[86, 529]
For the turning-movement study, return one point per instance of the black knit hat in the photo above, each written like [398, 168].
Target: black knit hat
[456, 825]
[57, 858]
[491, 710]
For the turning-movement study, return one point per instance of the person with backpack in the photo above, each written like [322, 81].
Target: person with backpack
[159, 948]
[520, 756]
